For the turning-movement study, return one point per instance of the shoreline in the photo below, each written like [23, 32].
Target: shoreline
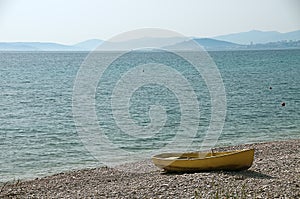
[275, 173]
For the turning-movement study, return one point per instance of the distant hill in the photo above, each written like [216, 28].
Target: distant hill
[172, 43]
[239, 41]
[218, 45]
[256, 36]
[47, 46]
[88, 45]
[34, 46]
[214, 44]
[141, 43]
[206, 43]
[275, 45]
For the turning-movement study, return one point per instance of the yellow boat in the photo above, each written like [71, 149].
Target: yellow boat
[205, 161]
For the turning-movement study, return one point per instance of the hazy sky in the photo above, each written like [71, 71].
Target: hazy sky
[71, 21]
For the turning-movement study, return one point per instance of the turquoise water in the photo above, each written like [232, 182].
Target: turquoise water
[37, 130]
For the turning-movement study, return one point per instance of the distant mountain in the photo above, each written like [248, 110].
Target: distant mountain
[239, 41]
[47, 46]
[88, 45]
[141, 43]
[34, 46]
[172, 43]
[206, 43]
[214, 44]
[256, 36]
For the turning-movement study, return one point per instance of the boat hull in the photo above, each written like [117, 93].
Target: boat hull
[195, 161]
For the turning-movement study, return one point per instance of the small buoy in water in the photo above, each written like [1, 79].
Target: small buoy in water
[283, 104]
[270, 88]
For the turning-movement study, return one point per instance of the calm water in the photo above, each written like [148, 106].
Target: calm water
[37, 130]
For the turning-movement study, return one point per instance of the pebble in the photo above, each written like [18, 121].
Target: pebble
[267, 178]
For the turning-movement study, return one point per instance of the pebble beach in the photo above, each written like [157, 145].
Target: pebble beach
[275, 173]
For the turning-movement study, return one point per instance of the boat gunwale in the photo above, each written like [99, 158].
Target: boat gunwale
[194, 159]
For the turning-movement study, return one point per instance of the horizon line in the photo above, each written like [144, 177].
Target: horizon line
[192, 37]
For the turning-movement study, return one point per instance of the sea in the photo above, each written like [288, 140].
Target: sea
[39, 134]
